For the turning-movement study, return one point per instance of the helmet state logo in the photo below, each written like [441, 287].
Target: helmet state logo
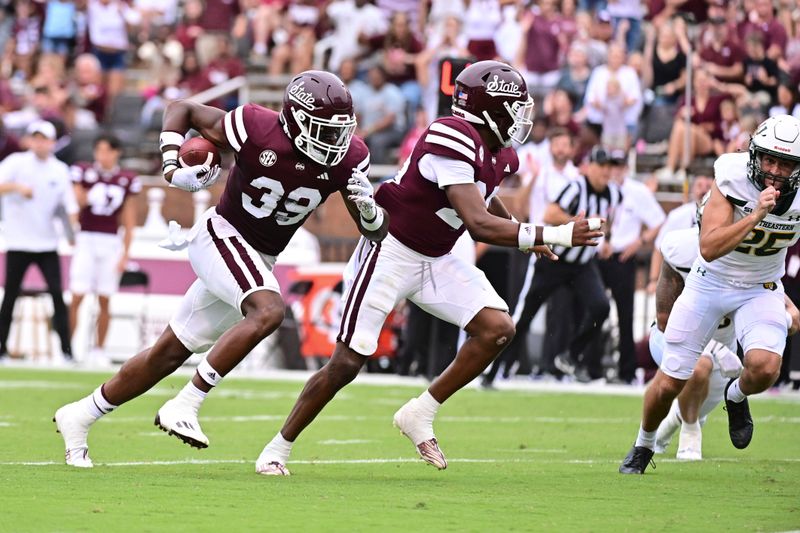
[498, 87]
[298, 93]
[268, 158]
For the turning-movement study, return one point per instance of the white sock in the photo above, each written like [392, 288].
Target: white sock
[192, 395]
[428, 404]
[278, 449]
[96, 404]
[691, 428]
[735, 393]
[646, 438]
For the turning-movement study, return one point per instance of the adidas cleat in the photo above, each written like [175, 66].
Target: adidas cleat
[73, 422]
[420, 431]
[180, 420]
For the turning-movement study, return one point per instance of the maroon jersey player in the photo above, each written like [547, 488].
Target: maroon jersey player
[287, 164]
[448, 186]
[104, 192]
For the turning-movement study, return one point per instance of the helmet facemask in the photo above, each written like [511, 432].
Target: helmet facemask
[520, 113]
[325, 141]
[757, 175]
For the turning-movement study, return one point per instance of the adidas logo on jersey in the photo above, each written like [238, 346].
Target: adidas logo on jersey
[323, 176]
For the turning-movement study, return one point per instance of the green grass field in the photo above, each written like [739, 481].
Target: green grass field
[519, 461]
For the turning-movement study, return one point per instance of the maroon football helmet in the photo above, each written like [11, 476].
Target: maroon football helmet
[494, 95]
[318, 116]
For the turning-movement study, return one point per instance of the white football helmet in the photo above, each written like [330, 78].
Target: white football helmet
[778, 136]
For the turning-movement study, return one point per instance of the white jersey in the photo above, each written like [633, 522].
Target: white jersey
[680, 249]
[760, 257]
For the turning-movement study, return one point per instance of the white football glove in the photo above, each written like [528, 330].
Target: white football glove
[361, 193]
[729, 364]
[197, 177]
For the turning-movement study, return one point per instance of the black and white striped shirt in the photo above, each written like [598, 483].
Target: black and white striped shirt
[577, 196]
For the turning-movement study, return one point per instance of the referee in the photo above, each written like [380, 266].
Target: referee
[35, 187]
[593, 195]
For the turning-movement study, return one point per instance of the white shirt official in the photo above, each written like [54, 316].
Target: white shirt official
[548, 185]
[28, 223]
[639, 207]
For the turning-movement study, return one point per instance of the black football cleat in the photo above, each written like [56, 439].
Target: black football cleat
[637, 460]
[740, 423]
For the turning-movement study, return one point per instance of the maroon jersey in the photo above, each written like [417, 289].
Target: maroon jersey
[272, 188]
[106, 192]
[420, 215]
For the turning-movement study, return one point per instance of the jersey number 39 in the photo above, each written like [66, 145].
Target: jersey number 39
[297, 204]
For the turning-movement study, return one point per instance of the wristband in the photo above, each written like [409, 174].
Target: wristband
[168, 138]
[526, 237]
[559, 235]
[375, 223]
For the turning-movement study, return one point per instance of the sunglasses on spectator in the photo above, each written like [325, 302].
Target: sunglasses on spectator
[717, 20]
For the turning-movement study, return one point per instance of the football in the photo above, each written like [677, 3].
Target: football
[198, 151]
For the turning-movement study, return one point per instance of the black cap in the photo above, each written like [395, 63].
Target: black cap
[618, 157]
[600, 156]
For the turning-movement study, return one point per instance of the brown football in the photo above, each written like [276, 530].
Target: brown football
[198, 151]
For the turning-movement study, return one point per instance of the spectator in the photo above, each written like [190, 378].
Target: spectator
[220, 17]
[25, 34]
[421, 123]
[103, 192]
[434, 13]
[703, 110]
[381, 116]
[223, 67]
[730, 129]
[592, 38]
[537, 148]
[481, 22]
[719, 48]
[400, 50]
[8, 143]
[158, 17]
[540, 49]
[508, 36]
[295, 39]
[34, 186]
[626, 18]
[352, 20]
[347, 73]
[635, 224]
[787, 102]
[194, 78]
[665, 62]
[86, 86]
[108, 22]
[446, 41]
[558, 108]
[613, 90]
[266, 18]
[760, 71]
[575, 75]
[59, 29]
[190, 28]
[761, 20]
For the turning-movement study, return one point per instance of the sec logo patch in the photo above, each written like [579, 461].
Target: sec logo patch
[268, 158]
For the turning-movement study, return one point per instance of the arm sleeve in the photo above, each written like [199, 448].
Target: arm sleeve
[445, 171]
